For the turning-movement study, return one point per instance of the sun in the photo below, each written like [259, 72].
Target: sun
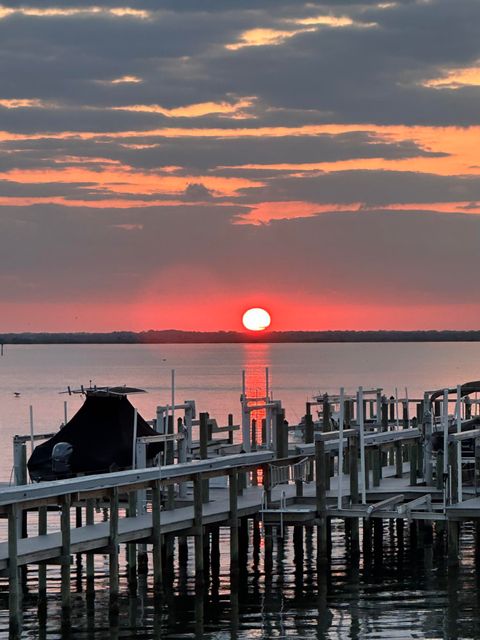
[256, 319]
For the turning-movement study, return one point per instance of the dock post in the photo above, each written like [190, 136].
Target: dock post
[453, 472]
[90, 561]
[157, 538]
[398, 460]
[354, 493]
[182, 455]
[230, 431]
[198, 527]
[65, 558]
[325, 413]
[204, 452]
[321, 503]
[113, 552]
[384, 418]
[233, 495]
[281, 430]
[309, 435]
[439, 471]
[14, 589]
[367, 538]
[428, 459]
[131, 546]
[413, 464]
[42, 567]
[453, 541]
[376, 455]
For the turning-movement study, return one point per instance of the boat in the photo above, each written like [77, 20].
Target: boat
[97, 439]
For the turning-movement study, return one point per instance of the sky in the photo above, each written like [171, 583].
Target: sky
[170, 163]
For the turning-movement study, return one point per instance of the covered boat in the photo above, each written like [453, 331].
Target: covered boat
[98, 439]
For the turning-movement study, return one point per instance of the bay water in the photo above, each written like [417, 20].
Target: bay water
[408, 593]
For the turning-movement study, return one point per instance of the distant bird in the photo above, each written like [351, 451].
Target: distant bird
[16, 394]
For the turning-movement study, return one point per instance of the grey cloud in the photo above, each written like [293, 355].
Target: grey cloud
[333, 254]
[373, 188]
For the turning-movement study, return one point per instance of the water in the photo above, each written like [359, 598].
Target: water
[409, 594]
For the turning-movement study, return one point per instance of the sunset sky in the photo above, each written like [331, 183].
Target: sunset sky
[169, 163]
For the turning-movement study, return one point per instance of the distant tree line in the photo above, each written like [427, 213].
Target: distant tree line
[196, 337]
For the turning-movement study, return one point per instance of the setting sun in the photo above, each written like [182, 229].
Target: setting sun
[256, 319]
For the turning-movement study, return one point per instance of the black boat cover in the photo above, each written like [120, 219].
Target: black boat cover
[101, 434]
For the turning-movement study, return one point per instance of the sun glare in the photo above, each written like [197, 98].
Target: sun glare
[256, 319]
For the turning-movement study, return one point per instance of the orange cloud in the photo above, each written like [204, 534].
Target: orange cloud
[127, 181]
[265, 212]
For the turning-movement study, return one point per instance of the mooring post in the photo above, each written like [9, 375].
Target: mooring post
[413, 464]
[398, 459]
[113, 552]
[66, 502]
[453, 527]
[281, 430]
[354, 493]
[198, 529]
[90, 562]
[14, 588]
[42, 567]
[254, 474]
[321, 502]
[325, 413]
[204, 417]
[428, 457]
[230, 431]
[453, 472]
[182, 455]
[376, 466]
[309, 435]
[439, 471]
[156, 537]
[233, 495]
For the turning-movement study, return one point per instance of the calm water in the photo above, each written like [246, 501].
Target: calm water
[410, 594]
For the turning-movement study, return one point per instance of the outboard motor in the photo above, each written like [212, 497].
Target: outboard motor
[61, 454]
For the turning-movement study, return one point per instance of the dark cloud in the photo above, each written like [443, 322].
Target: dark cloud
[373, 188]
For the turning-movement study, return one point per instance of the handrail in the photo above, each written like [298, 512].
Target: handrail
[33, 493]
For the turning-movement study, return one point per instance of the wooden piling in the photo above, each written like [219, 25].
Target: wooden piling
[453, 528]
[198, 529]
[321, 503]
[326, 413]
[413, 464]
[230, 431]
[42, 567]
[354, 493]
[157, 538]
[233, 496]
[14, 592]
[90, 560]
[65, 558]
[113, 552]
[439, 471]
[131, 546]
[398, 460]
[204, 417]
[376, 455]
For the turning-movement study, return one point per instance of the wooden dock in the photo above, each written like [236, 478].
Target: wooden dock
[362, 470]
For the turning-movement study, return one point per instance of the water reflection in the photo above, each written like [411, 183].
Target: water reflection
[410, 593]
[258, 385]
